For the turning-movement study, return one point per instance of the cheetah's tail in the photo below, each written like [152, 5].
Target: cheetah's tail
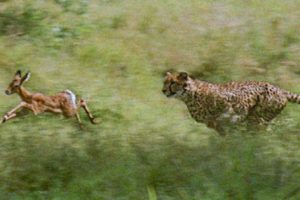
[293, 98]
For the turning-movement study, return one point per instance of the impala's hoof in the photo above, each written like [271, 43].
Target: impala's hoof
[3, 120]
[81, 126]
[94, 121]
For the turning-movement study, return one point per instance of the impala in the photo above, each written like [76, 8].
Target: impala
[61, 103]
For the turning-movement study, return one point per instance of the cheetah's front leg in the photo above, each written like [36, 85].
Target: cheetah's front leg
[217, 127]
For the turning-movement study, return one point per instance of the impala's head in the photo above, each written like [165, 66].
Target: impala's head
[175, 84]
[17, 82]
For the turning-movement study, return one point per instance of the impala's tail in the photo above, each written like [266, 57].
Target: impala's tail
[72, 98]
[293, 98]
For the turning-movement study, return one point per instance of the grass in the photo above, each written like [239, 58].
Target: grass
[114, 54]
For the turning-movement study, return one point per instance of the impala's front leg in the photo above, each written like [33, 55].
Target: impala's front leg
[8, 117]
[12, 113]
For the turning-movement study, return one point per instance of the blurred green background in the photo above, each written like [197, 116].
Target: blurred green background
[114, 54]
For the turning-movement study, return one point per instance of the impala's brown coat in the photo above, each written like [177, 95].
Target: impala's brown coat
[61, 103]
[221, 105]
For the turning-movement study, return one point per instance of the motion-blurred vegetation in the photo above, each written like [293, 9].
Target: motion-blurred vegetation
[114, 53]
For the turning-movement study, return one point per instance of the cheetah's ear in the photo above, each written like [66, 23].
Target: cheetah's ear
[183, 75]
[168, 74]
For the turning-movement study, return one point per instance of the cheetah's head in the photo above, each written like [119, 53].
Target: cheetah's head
[175, 84]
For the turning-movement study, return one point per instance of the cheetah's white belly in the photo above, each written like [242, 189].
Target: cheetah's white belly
[230, 116]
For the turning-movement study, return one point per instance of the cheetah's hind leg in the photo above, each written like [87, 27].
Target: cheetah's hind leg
[254, 127]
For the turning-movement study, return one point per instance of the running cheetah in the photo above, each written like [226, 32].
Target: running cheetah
[235, 103]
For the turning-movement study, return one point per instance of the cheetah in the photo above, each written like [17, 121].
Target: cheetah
[220, 106]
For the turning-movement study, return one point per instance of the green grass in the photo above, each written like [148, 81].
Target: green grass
[114, 54]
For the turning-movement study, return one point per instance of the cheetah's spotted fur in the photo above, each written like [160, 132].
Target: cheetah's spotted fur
[220, 105]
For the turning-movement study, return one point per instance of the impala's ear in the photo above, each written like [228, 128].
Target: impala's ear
[25, 78]
[18, 73]
[183, 75]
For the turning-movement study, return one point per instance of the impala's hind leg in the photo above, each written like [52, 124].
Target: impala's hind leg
[78, 118]
[83, 104]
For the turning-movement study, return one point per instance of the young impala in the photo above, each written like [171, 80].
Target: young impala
[63, 102]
